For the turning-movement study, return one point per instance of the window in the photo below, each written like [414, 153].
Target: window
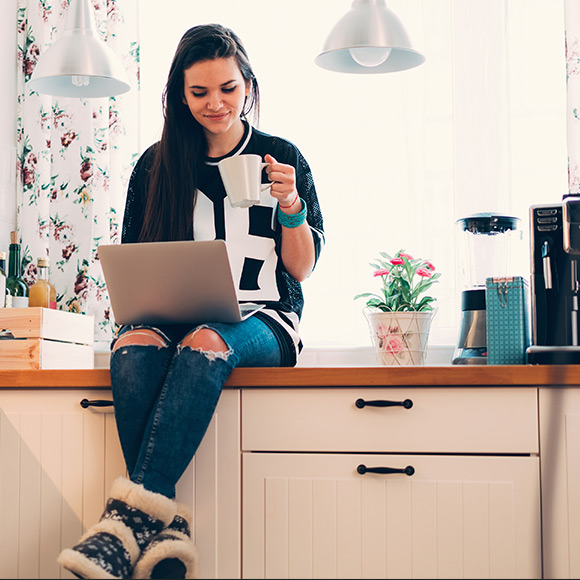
[397, 158]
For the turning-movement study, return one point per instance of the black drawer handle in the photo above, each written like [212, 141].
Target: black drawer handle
[361, 403]
[362, 469]
[85, 403]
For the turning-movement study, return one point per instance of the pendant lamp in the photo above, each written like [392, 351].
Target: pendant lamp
[368, 39]
[80, 64]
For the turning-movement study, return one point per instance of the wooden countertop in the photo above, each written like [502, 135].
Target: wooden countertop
[500, 375]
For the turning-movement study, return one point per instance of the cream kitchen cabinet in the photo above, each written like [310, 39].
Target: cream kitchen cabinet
[560, 449]
[58, 460]
[212, 485]
[465, 504]
[276, 483]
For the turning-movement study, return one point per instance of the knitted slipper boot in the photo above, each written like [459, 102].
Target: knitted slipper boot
[171, 553]
[110, 548]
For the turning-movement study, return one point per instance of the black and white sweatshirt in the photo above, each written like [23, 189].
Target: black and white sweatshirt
[253, 235]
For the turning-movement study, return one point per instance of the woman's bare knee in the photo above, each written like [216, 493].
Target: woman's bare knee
[206, 340]
[140, 336]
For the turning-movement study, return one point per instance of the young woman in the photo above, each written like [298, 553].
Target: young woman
[167, 380]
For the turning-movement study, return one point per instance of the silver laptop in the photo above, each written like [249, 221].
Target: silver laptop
[172, 282]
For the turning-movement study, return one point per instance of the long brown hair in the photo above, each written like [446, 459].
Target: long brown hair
[174, 174]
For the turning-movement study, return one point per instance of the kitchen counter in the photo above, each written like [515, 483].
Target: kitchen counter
[276, 480]
[500, 375]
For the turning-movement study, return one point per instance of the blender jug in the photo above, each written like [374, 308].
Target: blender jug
[486, 244]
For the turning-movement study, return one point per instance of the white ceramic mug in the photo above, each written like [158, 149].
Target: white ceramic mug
[242, 178]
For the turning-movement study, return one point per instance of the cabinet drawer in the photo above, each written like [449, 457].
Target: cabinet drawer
[440, 420]
[314, 516]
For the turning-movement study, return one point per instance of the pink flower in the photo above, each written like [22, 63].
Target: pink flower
[389, 338]
[28, 176]
[387, 330]
[429, 266]
[30, 274]
[381, 272]
[62, 233]
[397, 261]
[67, 138]
[86, 170]
[393, 344]
[68, 251]
[408, 256]
[424, 272]
[81, 285]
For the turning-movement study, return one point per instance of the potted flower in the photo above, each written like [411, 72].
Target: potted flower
[400, 316]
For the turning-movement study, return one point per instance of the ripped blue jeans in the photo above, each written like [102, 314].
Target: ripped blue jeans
[165, 393]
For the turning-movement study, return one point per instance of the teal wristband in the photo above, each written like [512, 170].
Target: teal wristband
[292, 220]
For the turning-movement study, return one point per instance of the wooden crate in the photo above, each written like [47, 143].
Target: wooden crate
[46, 339]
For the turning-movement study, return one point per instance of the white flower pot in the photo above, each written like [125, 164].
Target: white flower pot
[399, 338]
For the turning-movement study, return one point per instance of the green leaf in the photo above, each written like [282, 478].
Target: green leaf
[363, 295]
[375, 302]
[425, 301]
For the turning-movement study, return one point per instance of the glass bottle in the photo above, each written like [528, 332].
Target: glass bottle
[42, 292]
[15, 282]
[2, 279]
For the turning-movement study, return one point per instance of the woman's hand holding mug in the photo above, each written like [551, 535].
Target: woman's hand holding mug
[283, 178]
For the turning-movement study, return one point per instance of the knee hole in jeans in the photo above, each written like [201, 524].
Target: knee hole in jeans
[206, 341]
[139, 336]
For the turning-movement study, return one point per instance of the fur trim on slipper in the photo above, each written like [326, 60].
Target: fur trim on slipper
[172, 553]
[132, 517]
[134, 494]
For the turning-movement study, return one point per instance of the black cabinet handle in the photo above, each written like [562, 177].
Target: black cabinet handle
[85, 403]
[361, 403]
[362, 469]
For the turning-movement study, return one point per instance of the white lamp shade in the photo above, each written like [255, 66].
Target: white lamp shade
[80, 63]
[375, 36]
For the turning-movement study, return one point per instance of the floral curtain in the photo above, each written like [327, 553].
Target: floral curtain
[74, 159]
[572, 32]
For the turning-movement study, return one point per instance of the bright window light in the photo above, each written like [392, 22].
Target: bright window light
[398, 157]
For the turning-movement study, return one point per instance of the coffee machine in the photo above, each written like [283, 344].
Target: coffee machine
[555, 282]
[487, 244]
